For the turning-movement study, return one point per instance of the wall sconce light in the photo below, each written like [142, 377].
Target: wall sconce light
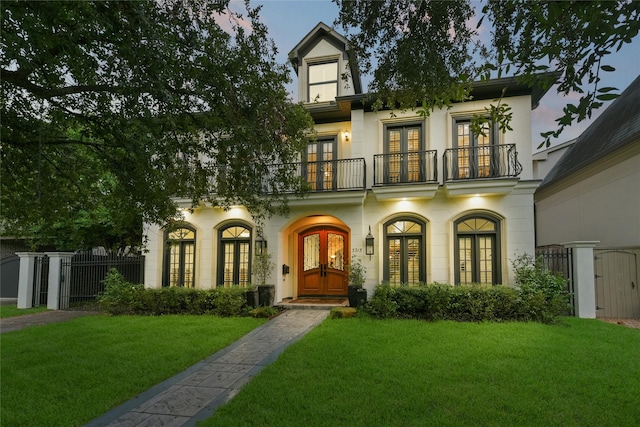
[261, 243]
[346, 135]
[369, 244]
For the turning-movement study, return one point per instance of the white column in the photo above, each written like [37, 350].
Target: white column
[25, 279]
[58, 280]
[584, 286]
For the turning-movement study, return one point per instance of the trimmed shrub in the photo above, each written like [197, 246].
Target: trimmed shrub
[543, 294]
[463, 303]
[122, 297]
[119, 296]
[342, 312]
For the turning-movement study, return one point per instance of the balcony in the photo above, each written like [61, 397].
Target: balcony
[492, 169]
[330, 182]
[405, 175]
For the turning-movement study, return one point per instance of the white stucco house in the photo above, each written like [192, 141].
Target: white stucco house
[441, 204]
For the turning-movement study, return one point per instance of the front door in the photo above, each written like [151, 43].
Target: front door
[322, 262]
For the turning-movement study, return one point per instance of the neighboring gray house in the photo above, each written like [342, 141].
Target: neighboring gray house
[593, 194]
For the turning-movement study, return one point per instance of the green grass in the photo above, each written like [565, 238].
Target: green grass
[363, 372]
[67, 374]
[13, 310]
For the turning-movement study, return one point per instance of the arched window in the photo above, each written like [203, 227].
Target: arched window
[404, 253]
[234, 261]
[477, 250]
[180, 257]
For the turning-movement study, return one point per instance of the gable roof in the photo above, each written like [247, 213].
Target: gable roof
[617, 127]
[323, 31]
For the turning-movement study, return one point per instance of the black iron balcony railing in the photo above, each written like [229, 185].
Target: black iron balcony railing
[333, 175]
[315, 177]
[491, 161]
[325, 176]
[405, 168]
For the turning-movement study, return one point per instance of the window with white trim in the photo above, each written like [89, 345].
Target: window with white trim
[323, 81]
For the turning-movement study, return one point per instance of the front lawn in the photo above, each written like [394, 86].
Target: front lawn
[363, 372]
[12, 310]
[67, 374]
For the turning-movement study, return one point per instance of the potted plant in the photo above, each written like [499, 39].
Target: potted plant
[251, 294]
[262, 266]
[357, 273]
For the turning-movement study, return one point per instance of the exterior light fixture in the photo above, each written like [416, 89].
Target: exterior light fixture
[346, 135]
[261, 243]
[369, 244]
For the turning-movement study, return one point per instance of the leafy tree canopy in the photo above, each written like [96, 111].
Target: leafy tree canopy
[111, 108]
[427, 53]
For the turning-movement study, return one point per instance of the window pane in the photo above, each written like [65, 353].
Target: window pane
[174, 265]
[236, 231]
[319, 73]
[243, 266]
[413, 261]
[189, 261]
[335, 251]
[485, 248]
[323, 92]
[182, 234]
[228, 262]
[394, 261]
[311, 252]
[466, 260]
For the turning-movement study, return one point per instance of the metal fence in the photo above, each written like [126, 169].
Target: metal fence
[82, 276]
[40, 281]
[559, 259]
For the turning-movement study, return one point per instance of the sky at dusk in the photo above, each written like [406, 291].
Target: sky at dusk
[289, 21]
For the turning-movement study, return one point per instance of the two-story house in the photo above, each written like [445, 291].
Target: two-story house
[417, 199]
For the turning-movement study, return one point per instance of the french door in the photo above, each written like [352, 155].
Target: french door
[320, 164]
[322, 262]
[477, 156]
[403, 147]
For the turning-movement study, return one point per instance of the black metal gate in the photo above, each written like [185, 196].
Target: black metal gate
[40, 281]
[82, 276]
[559, 259]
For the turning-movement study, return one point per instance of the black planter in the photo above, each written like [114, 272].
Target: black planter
[357, 296]
[252, 297]
[266, 295]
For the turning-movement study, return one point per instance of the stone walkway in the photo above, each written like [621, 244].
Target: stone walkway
[43, 318]
[194, 394]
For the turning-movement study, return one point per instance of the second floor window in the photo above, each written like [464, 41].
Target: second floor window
[319, 166]
[323, 81]
[402, 146]
[476, 153]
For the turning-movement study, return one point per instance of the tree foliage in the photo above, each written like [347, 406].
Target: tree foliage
[427, 52]
[110, 109]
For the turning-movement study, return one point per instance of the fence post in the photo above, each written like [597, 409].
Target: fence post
[25, 278]
[58, 285]
[584, 286]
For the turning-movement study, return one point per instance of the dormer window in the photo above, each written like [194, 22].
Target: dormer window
[323, 81]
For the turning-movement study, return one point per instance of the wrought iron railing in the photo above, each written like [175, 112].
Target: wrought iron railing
[333, 175]
[405, 168]
[490, 161]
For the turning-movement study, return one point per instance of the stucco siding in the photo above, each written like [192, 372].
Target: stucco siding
[604, 206]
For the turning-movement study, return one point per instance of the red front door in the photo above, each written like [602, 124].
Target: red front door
[322, 262]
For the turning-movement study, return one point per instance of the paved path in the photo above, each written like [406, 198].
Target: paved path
[194, 394]
[44, 318]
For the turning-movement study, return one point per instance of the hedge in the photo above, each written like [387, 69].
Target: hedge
[122, 297]
[466, 303]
